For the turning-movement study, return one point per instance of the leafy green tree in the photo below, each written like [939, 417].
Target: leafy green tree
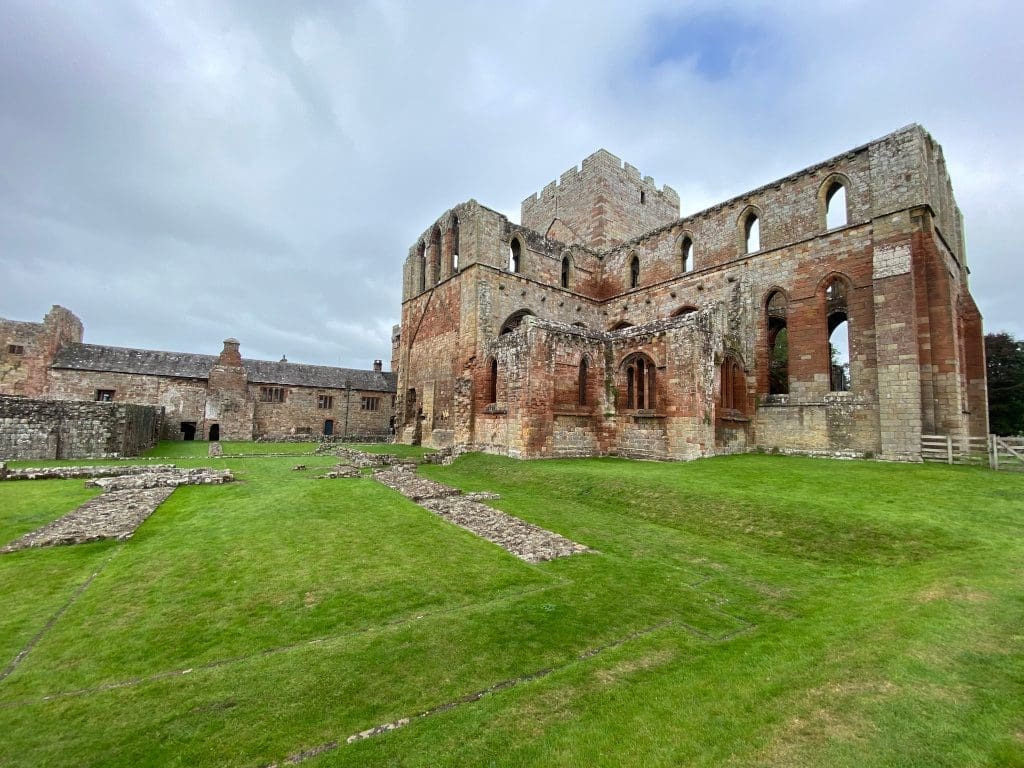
[1004, 363]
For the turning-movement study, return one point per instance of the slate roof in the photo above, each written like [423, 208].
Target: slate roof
[96, 357]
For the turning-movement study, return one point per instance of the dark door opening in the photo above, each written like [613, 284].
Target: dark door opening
[328, 427]
[188, 430]
[214, 433]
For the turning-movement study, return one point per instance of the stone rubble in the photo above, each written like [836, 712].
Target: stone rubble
[111, 515]
[524, 540]
[167, 479]
[69, 473]
[359, 458]
[127, 500]
[340, 470]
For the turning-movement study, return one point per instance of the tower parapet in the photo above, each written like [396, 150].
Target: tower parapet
[604, 202]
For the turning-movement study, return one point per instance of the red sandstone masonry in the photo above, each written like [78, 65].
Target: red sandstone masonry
[915, 358]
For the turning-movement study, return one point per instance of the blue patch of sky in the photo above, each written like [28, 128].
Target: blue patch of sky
[715, 42]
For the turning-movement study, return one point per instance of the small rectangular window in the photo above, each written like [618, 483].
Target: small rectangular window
[16, 349]
[271, 394]
[325, 402]
[104, 395]
[370, 404]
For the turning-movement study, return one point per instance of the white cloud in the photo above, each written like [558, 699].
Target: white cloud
[259, 169]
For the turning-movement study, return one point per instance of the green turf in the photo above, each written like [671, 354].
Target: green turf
[748, 610]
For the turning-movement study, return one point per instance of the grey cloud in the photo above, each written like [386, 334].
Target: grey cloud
[182, 172]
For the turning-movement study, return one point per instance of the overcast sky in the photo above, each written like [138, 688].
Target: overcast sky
[180, 172]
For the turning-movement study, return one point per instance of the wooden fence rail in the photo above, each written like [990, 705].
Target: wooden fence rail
[1006, 453]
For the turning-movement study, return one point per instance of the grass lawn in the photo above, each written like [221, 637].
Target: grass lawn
[746, 610]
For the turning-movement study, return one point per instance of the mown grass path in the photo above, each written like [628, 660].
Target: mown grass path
[749, 610]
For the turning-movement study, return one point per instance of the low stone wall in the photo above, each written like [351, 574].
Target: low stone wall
[72, 429]
[69, 473]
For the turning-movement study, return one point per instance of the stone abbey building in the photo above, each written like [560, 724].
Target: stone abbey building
[827, 312]
[202, 397]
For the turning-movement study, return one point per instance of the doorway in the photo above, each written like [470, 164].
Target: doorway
[188, 430]
[328, 427]
[214, 433]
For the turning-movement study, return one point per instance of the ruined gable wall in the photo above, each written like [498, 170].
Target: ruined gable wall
[431, 355]
[536, 410]
[26, 373]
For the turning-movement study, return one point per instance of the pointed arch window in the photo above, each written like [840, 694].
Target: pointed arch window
[455, 245]
[515, 255]
[776, 310]
[634, 271]
[837, 321]
[565, 271]
[421, 265]
[752, 233]
[686, 254]
[435, 256]
[581, 384]
[835, 205]
[492, 380]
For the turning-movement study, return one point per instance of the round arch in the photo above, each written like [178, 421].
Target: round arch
[513, 321]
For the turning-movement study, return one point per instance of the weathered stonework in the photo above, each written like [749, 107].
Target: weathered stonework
[202, 396]
[60, 429]
[526, 339]
[524, 540]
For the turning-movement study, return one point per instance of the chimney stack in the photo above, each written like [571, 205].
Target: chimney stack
[377, 365]
[230, 355]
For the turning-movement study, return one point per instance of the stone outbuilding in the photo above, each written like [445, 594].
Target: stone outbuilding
[203, 397]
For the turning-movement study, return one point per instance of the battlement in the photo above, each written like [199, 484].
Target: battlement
[604, 200]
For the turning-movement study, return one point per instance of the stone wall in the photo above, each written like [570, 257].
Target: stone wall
[27, 349]
[183, 400]
[916, 361]
[600, 204]
[353, 413]
[62, 429]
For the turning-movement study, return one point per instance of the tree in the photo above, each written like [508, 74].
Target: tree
[1004, 365]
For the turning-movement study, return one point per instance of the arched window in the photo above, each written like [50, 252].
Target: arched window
[492, 380]
[515, 255]
[733, 389]
[455, 244]
[640, 382]
[686, 309]
[513, 321]
[565, 271]
[582, 382]
[435, 256]
[837, 320]
[620, 325]
[421, 264]
[752, 233]
[835, 206]
[686, 254]
[634, 271]
[776, 310]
